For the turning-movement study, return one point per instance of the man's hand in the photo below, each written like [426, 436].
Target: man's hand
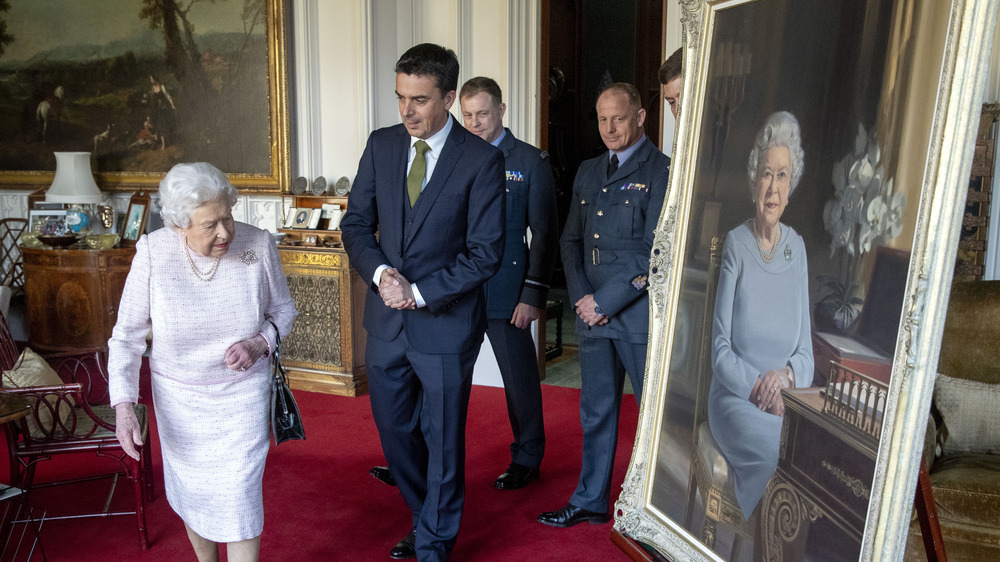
[127, 429]
[243, 354]
[524, 315]
[395, 290]
[585, 310]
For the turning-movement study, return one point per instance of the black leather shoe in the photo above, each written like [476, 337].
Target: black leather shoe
[406, 547]
[516, 476]
[571, 515]
[382, 474]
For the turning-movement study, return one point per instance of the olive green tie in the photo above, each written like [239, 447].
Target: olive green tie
[415, 179]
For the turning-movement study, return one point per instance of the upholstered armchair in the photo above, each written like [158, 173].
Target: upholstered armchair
[962, 448]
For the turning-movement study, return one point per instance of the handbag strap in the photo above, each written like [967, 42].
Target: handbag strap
[277, 370]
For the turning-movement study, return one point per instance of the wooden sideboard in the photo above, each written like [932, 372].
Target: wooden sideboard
[325, 352]
[73, 295]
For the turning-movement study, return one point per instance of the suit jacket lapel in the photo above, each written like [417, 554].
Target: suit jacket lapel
[397, 193]
[450, 155]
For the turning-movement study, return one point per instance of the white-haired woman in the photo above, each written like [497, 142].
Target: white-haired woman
[761, 339]
[208, 287]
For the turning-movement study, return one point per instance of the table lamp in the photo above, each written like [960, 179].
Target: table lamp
[74, 186]
[74, 182]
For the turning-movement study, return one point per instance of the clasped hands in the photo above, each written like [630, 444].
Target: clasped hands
[395, 290]
[585, 310]
[766, 392]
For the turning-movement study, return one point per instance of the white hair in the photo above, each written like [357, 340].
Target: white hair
[780, 129]
[189, 186]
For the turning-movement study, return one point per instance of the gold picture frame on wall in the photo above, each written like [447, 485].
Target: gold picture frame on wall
[219, 94]
[884, 102]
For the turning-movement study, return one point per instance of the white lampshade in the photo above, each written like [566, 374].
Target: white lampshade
[74, 182]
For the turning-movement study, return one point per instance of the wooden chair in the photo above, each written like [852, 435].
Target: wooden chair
[11, 268]
[710, 473]
[89, 426]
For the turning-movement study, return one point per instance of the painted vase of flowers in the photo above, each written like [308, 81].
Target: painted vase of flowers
[864, 213]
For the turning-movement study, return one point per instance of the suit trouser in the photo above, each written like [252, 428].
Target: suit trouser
[420, 403]
[603, 365]
[515, 353]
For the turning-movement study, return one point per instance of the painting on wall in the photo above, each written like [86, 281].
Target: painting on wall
[797, 249]
[143, 85]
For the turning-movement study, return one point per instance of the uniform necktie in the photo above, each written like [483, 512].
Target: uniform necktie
[612, 165]
[415, 179]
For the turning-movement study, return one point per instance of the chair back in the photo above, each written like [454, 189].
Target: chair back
[704, 373]
[969, 347]
[8, 347]
[11, 266]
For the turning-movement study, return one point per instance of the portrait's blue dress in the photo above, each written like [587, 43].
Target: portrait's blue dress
[761, 323]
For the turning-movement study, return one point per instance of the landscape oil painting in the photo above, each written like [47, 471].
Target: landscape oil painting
[143, 85]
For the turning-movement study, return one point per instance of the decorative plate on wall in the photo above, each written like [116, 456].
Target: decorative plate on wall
[299, 185]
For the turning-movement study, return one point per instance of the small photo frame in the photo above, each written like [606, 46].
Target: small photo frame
[310, 240]
[46, 221]
[301, 216]
[290, 217]
[135, 218]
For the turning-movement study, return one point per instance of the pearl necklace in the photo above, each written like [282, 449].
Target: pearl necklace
[207, 276]
[767, 256]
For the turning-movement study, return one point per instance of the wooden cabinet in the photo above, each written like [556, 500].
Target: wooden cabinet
[73, 295]
[325, 352]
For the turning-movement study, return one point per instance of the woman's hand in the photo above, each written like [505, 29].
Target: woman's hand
[127, 429]
[766, 392]
[243, 354]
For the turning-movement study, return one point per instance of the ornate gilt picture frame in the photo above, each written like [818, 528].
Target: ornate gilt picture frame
[143, 86]
[884, 95]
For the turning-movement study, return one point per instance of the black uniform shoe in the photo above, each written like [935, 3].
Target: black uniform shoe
[516, 476]
[571, 515]
[382, 474]
[406, 547]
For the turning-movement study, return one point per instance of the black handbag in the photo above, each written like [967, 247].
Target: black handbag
[286, 423]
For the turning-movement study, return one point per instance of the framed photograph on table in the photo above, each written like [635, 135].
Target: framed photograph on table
[135, 218]
[816, 141]
[47, 221]
[301, 217]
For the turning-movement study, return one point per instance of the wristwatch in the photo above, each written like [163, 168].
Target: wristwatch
[597, 310]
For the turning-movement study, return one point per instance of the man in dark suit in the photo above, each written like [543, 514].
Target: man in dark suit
[425, 224]
[515, 296]
[616, 203]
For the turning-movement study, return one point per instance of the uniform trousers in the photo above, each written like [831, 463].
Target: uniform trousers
[515, 352]
[604, 363]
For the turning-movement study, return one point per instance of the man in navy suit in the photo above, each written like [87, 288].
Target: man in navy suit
[425, 225]
[515, 296]
[617, 198]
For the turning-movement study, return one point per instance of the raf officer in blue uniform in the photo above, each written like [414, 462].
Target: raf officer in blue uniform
[616, 203]
[516, 295]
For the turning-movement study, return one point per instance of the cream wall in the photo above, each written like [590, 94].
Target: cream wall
[342, 56]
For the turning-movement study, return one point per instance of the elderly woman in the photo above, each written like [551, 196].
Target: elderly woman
[761, 332]
[208, 287]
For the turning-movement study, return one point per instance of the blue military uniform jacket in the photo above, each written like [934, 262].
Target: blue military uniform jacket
[531, 204]
[608, 237]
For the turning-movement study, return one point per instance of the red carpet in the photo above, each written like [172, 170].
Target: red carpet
[320, 503]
